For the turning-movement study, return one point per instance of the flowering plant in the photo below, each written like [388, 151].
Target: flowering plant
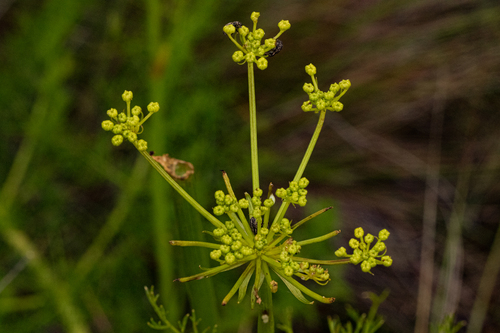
[246, 232]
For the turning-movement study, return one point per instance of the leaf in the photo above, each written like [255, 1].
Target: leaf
[295, 291]
[243, 287]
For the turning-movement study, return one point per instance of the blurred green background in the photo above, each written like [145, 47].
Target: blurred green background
[416, 150]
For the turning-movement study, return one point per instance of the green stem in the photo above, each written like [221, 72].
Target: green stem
[277, 219]
[322, 262]
[266, 314]
[194, 243]
[212, 219]
[318, 239]
[253, 127]
[310, 148]
[249, 270]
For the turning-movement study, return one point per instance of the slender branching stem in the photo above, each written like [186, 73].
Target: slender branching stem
[253, 127]
[310, 148]
[212, 219]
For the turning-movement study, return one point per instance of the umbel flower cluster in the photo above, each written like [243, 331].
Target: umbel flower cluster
[251, 48]
[128, 125]
[253, 231]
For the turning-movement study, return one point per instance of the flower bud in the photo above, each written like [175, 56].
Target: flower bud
[284, 25]
[132, 137]
[142, 145]
[244, 31]
[136, 110]
[337, 106]
[127, 96]
[250, 57]
[311, 69]
[117, 129]
[308, 88]
[285, 223]
[107, 125]
[117, 140]
[365, 266]
[262, 63]
[380, 246]
[386, 261]
[369, 238]
[153, 107]
[215, 254]
[353, 243]
[218, 210]
[230, 258]
[238, 56]
[358, 232]
[229, 29]
[345, 84]
[112, 113]
[225, 249]
[383, 234]
[341, 252]
[243, 203]
[334, 88]
[255, 16]
[321, 105]
[259, 34]
[122, 117]
[306, 106]
[236, 245]
[268, 203]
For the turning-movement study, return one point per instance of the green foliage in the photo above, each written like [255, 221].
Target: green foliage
[362, 323]
[448, 325]
[164, 324]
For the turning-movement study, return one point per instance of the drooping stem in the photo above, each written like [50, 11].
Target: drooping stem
[310, 148]
[253, 127]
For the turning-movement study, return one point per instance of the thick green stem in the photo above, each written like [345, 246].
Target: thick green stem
[310, 148]
[253, 127]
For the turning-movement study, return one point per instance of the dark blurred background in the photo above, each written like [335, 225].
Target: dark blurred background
[416, 150]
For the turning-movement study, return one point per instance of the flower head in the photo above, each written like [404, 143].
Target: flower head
[128, 125]
[319, 100]
[251, 48]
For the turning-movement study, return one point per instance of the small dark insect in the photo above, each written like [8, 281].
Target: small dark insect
[276, 50]
[253, 225]
[151, 153]
[236, 25]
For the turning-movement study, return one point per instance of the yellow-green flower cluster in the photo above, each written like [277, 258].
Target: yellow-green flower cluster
[233, 247]
[368, 257]
[319, 100]
[302, 269]
[127, 125]
[251, 48]
[295, 193]
[284, 227]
